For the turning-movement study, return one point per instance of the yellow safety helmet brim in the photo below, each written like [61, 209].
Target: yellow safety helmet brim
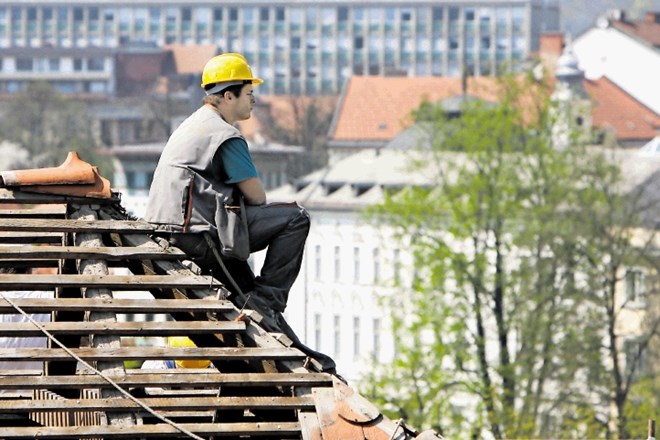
[228, 67]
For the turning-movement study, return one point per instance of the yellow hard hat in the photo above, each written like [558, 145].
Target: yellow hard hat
[228, 67]
[183, 341]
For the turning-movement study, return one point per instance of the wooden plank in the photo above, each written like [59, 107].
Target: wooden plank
[118, 305]
[160, 403]
[69, 225]
[81, 252]
[309, 426]
[30, 237]
[273, 429]
[146, 353]
[46, 211]
[149, 328]
[164, 378]
[18, 196]
[115, 282]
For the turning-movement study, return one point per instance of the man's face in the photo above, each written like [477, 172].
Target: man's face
[244, 103]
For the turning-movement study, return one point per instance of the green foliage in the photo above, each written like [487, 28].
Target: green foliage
[49, 125]
[511, 241]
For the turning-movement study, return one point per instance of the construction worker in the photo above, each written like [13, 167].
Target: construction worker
[205, 174]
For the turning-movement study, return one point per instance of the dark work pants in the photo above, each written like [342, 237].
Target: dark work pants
[282, 229]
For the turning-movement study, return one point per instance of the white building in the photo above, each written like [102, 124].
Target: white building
[626, 52]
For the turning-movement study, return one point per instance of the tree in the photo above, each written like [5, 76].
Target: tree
[49, 125]
[308, 127]
[506, 298]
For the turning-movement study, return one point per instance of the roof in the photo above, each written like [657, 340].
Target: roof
[647, 30]
[190, 59]
[259, 384]
[613, 108]
[358, 180]
[377, 108]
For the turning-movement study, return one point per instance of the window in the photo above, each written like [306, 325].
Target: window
[337, 263]
[77, 14]
[264, 14]
[376, 259]
[24, 64]
[358, 42]
[77, 65]
[356, 265]
[438, 13]
[634, 285]
[233, 14]
[317, 262]
[376, 338]
[217, 14]
[279, 14]
[397, 266]
[96, 64]
[636, 354]
[317, 330]
[342, 13]
[186, 14]
[356, 337]
[337, 332]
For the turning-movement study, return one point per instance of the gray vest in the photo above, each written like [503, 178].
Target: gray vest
[185, 188]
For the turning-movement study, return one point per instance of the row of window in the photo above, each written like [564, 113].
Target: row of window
[50, 64]
[357, 265]
[67, 87]
[357, 336]
[263, 14]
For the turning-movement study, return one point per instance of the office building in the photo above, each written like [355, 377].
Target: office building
[300, 47]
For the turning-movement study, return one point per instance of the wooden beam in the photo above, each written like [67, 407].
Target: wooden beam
[69, 225]
[79, 252]
[189, 403]
[166, 378]
[18, 196]
[273, 429]
[147, 328]
[119, 305]
[146, 353]
[98, 281]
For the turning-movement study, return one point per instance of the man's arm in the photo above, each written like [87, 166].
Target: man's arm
[253, 191]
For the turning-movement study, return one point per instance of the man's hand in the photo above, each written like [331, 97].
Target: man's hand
[253, 191]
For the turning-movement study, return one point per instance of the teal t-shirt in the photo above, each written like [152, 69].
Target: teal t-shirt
[235, 162]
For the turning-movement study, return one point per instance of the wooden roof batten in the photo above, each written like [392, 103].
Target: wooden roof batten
[257, 386]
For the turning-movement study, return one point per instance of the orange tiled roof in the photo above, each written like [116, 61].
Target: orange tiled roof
[189, 59]
[613, 108]
[647, 30]
[378, 108]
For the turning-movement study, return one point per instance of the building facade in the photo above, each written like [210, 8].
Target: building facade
[300, 47]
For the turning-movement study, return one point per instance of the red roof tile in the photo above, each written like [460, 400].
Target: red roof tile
[376, 108]
[647, 30]
[615, 109]
[189, 59]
